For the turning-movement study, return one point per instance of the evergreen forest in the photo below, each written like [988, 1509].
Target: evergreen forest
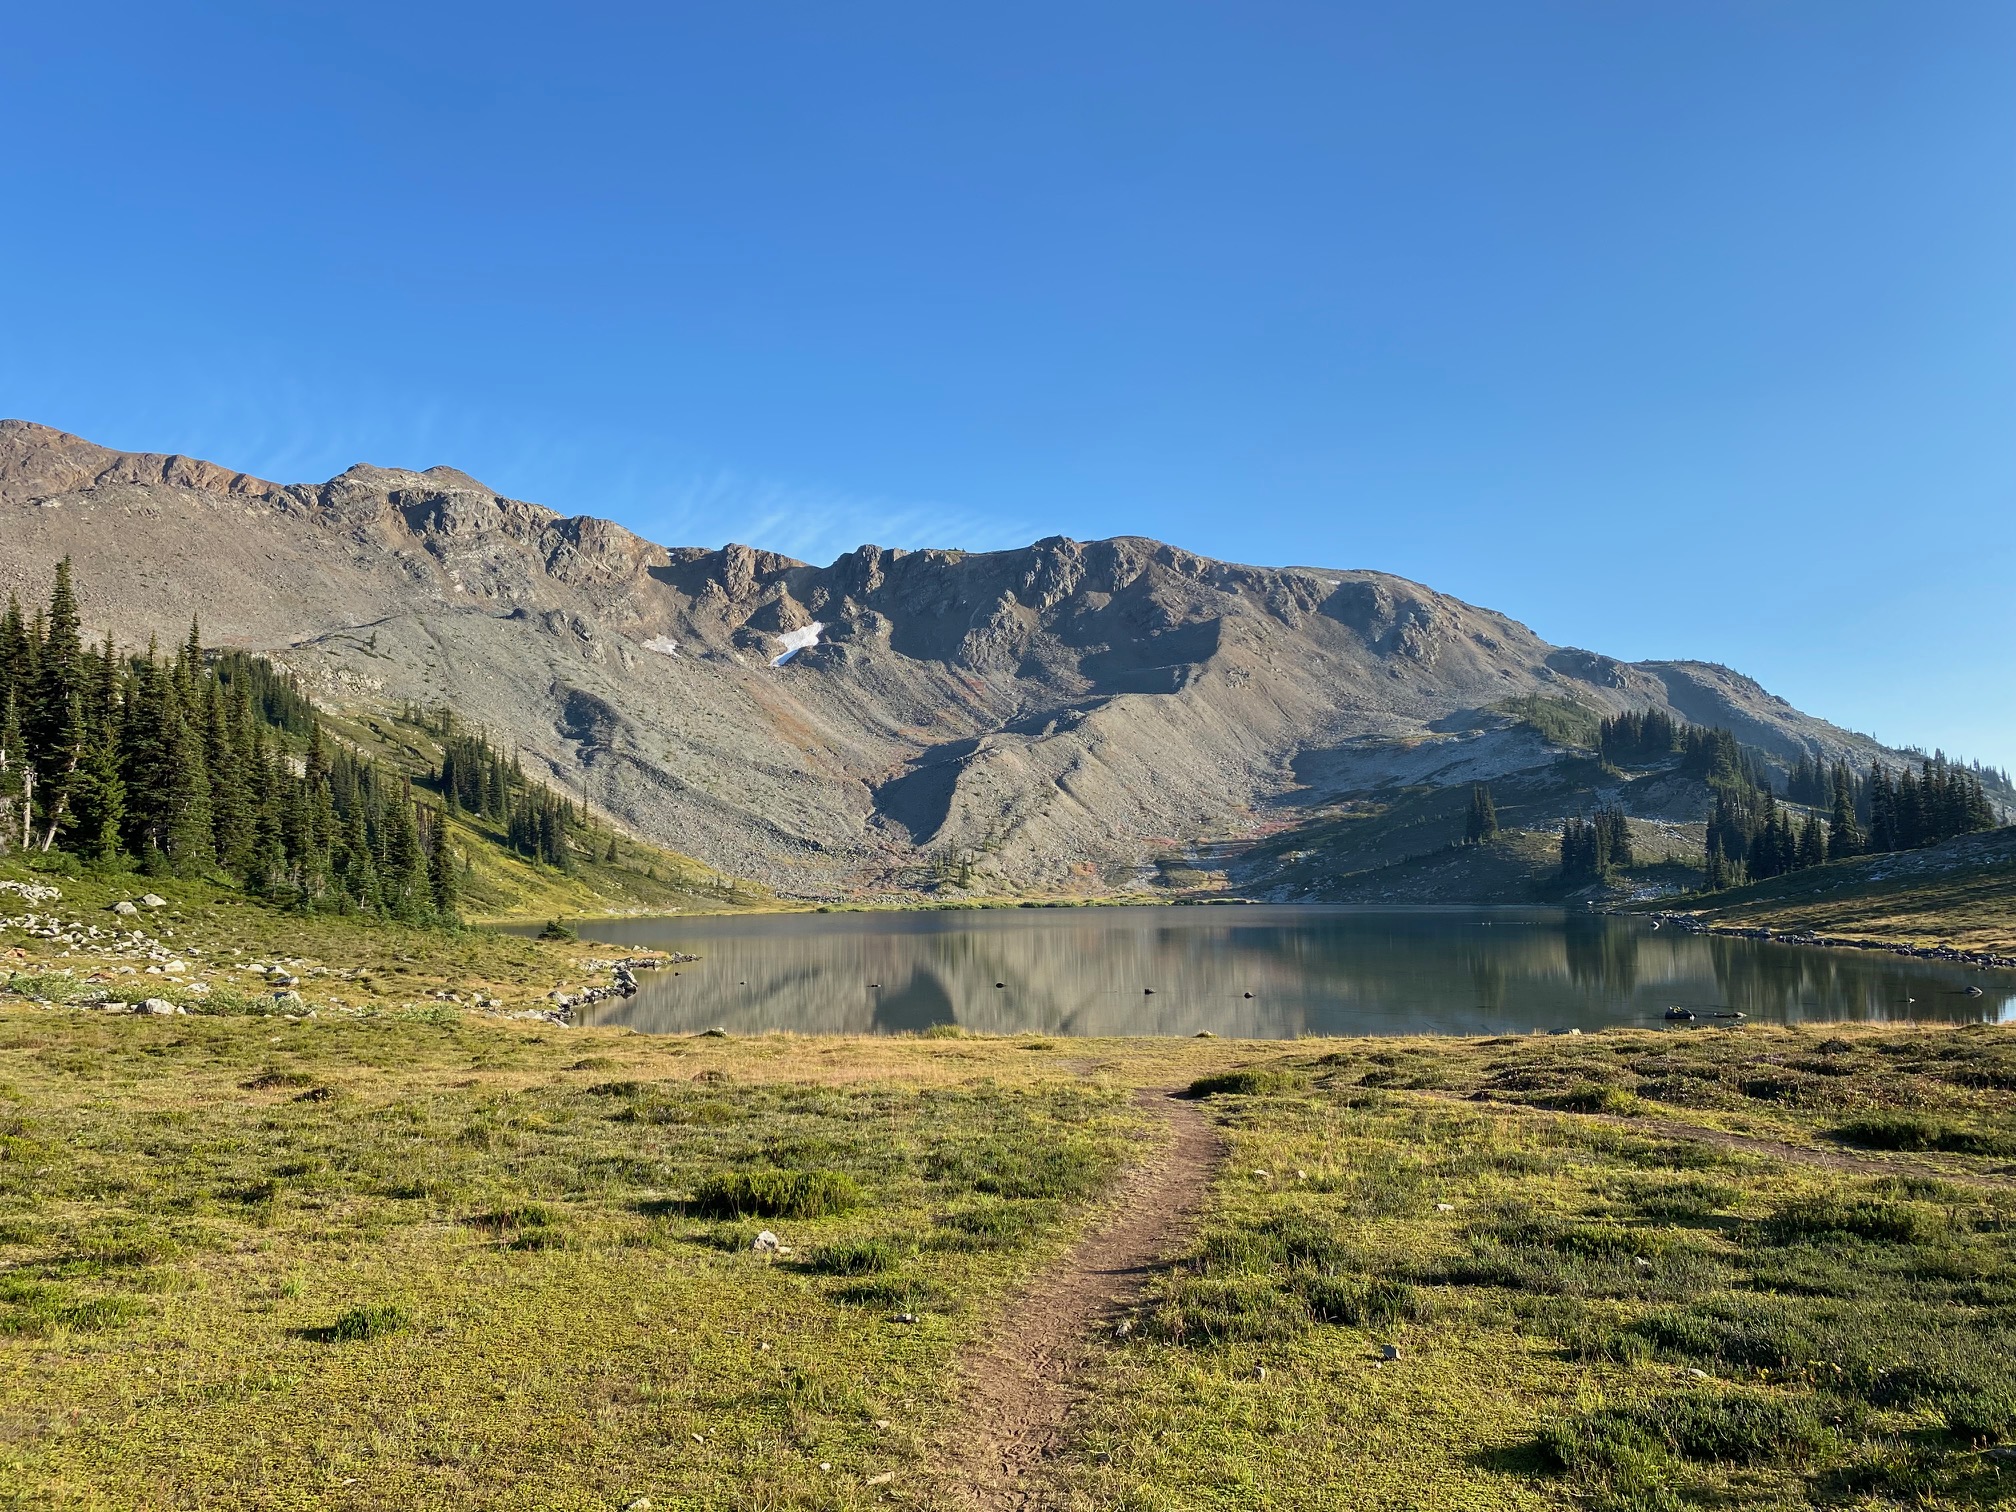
[216, 763]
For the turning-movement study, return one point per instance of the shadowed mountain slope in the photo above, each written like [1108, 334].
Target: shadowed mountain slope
[1050, 717]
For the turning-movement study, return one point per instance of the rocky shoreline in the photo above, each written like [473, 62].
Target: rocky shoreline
[1690, 924]
[622, 984]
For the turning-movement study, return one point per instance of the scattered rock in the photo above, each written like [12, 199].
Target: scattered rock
[124, 909]
[767, 1243]
[153, 900]
[642, 1504]
[1445, 1207]
[157, 1006]
[880, 1480]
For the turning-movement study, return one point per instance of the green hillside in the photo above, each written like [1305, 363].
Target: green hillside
[1960, 893]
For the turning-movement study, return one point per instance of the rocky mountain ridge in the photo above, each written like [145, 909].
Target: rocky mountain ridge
[1052, 717]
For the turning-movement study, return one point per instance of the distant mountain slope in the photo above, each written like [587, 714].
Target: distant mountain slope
[1049, 717]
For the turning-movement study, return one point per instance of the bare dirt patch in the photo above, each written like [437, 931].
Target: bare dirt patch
[1019, 1385]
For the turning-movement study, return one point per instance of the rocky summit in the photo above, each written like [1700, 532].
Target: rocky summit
[1053, 718]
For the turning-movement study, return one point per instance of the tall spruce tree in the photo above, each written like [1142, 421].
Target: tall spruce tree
[1480, 825]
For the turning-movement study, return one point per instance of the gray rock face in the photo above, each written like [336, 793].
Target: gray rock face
[1052, 716]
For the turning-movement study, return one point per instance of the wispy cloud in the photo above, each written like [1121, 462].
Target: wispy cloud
[812, 523]
[291, 429]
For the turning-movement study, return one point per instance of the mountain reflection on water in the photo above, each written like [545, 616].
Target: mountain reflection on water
[1272, 972]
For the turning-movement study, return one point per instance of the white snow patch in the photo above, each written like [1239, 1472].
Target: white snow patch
[664, 645]
[794, 641]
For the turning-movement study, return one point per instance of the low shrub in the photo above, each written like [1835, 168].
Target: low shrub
[998, 1225]
[1857, 1217]
[1377, 1303]
[1981, 1417]
[372, 1321]
[1727, 1428]
[857, 1257]
[1903, 1131]
[1001, 1167]
[776, 1194]
[1593, 1097]
[1250, 1083]
[1200, 1311]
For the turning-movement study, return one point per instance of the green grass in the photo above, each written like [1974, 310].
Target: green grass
[479, 1277]
[1961, 893]
[398, 1255]
[1585, 1312]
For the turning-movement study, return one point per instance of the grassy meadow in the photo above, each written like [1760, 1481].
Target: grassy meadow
[1959, 894]
[369, 1246]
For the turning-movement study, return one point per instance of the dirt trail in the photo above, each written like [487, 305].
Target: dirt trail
[1749, 1144]
[1019, 1383]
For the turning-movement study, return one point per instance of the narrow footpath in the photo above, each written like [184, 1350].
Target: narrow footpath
[1020, 1384]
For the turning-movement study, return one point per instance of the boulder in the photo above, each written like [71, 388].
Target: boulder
[157, 1005]
[153, 900]
[125, 909]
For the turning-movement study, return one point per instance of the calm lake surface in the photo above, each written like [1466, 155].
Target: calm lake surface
[1254, 971]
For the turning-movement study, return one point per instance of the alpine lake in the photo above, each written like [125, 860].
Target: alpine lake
[1258, 971]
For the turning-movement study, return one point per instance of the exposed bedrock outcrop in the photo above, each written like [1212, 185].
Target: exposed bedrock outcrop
[1053, 715]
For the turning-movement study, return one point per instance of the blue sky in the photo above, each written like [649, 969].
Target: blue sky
[1672, 329]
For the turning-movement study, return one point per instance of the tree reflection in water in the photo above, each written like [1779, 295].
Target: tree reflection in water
[1308, 970]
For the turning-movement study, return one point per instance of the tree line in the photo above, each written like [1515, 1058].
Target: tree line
[475, 777]
[207, 762]
[1752, 835]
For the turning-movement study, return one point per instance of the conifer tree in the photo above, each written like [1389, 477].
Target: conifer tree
[55, 734]
[188, 839]
[1480, 825]
[1844, 834]
[98, 798]
[441, 871]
